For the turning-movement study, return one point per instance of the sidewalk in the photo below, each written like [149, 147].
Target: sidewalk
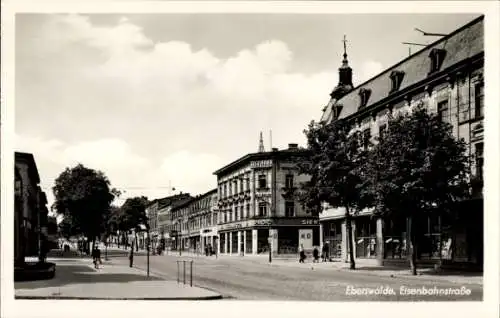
[362, 267]
[77, 279]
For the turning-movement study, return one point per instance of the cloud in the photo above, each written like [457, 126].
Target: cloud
[150, 112]
[369, 69]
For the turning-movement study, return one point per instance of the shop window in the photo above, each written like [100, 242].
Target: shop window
[289, 208]
[366, 240]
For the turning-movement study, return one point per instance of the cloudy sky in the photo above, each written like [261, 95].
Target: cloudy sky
[160, 99]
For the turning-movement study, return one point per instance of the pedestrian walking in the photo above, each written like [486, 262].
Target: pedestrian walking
[302, 254]
[315, 255]
[326, 252]
[131, 256]
[95, 258]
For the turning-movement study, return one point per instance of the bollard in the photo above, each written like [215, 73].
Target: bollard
[184, 273]
[178, 279]
[191, 275]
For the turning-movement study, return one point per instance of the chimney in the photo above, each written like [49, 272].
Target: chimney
[293, 146]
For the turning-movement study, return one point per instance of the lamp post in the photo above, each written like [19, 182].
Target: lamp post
[147, 248]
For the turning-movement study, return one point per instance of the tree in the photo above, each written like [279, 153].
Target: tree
[133, 214]
[83, 195]
[415, 170]
[66, 228]
[333, 163]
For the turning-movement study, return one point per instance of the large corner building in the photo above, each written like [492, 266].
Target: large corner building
[257, 206]
[447, 77]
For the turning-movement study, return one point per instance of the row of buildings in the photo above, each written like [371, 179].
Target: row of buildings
[31, 220]
[254, 208]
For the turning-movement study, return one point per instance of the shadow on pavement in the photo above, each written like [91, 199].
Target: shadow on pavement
[422, 271]
[77, 274]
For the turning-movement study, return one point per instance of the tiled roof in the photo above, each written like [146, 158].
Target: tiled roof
[464, 43]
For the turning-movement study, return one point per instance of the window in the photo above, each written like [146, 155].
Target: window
[236, 214]
[436, 56]
[241, 185]
[479, 101]
[289, 208]
[230, 188]
[248, 182]
[364, 94]
[235, 186]
[225, 190]
[262, 181]
[381, 131]
[479, 160]
[262, 209]
[248, 210]
[443, 111]
[289, 181]
[366, 138]
[396, 80]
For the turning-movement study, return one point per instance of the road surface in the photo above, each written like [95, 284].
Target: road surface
[247, 279]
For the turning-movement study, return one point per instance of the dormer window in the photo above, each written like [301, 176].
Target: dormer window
[396, 80]
[437, 57]
[364, 94]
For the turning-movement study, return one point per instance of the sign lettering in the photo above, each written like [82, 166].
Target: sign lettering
[261, 164]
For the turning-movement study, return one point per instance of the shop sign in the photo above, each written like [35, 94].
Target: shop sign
[292, 222]
[263, 223]
[262, 164]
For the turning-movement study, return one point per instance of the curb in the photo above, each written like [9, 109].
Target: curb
[215, 297]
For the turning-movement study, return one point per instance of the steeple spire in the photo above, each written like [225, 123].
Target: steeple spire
[345, 76]
[345, 63]
[261, 143]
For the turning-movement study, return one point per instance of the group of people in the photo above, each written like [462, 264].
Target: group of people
[209, 251]
[325, 255]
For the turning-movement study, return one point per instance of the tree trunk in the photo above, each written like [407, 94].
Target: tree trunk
[412, 245]
[136, 242]
[352, 264]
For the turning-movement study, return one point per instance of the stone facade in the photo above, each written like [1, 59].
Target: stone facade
[447, 78]
[257, 204]
[31, 212]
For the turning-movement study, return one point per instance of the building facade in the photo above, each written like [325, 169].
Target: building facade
[30, 204]
[258, 208]
[160, 219]
[202, 221]
[447, 78]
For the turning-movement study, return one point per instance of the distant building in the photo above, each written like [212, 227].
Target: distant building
[159, 218]
[446, 77]
[30, 205]
[179, 227]
[257, 204]
[202, 221]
